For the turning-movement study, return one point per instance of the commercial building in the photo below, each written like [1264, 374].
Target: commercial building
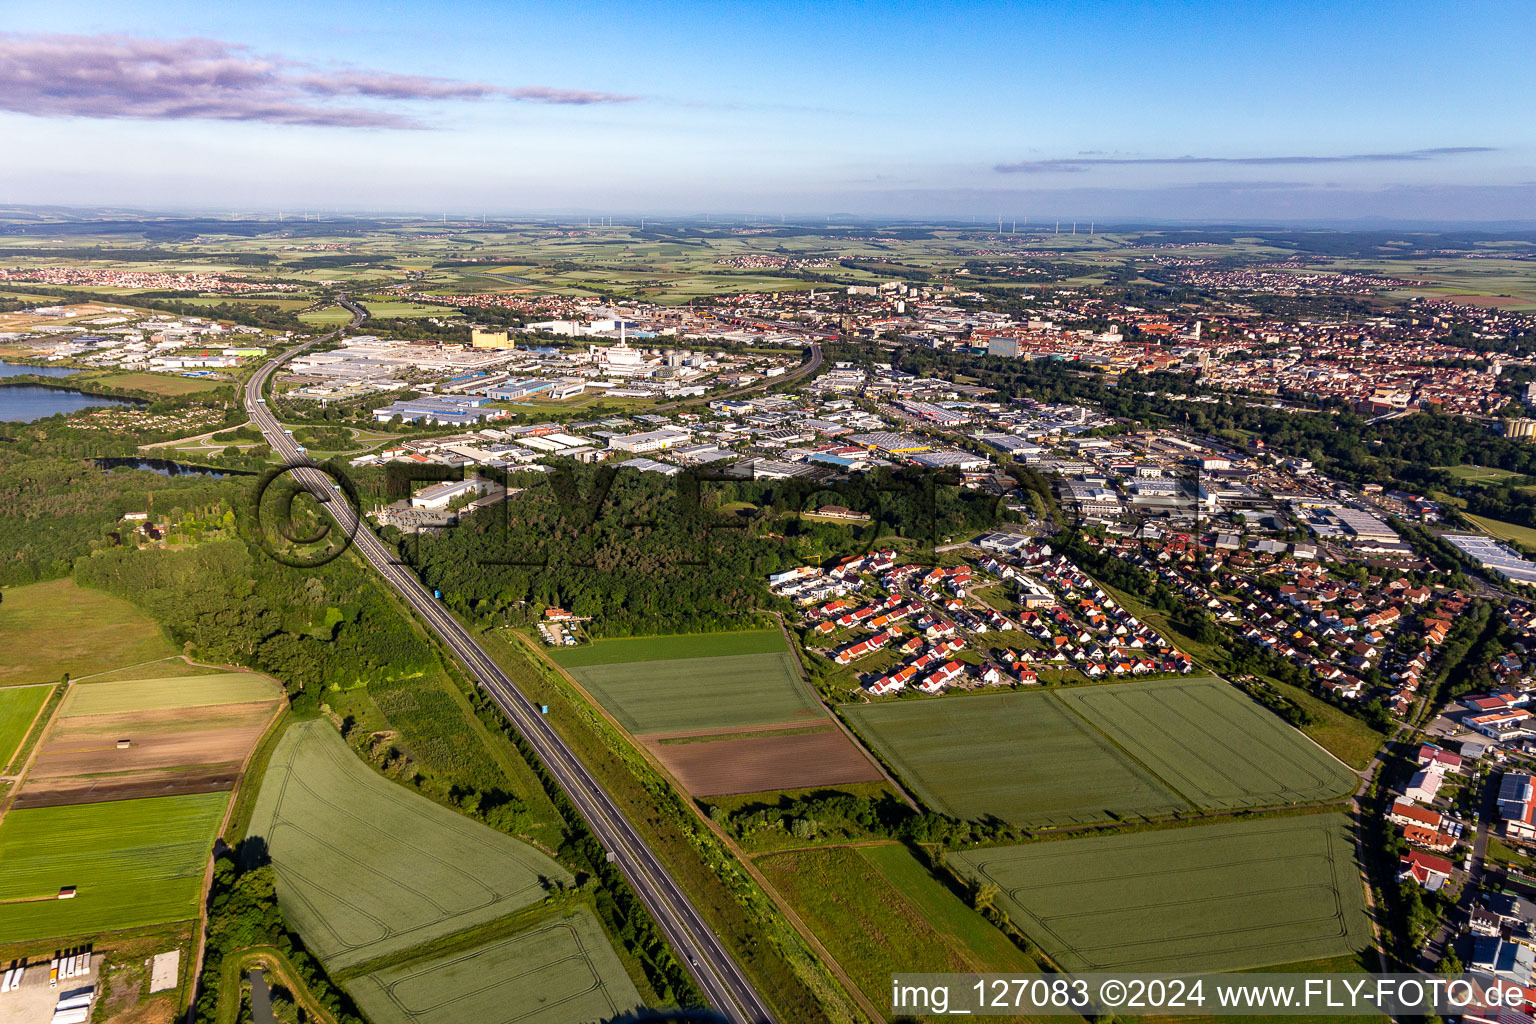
[1517, 806]
[439, 409]
[1494, 557]
[440, 496]
[489, 339]
[648, 441]
[1003, 347]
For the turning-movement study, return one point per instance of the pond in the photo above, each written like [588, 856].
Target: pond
[165, 467]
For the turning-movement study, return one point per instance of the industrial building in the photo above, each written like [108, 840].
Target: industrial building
[439, 409]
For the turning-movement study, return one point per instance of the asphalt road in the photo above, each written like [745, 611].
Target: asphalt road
[718, 975]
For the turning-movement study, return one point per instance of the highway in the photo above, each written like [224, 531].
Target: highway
[718, 975]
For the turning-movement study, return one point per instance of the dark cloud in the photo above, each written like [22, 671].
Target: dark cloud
[1079, 165]
[112, 76]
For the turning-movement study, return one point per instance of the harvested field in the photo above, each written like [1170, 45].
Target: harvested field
[172, 748]
[1101, 752]
[88, 744]
[137, 786]
[557, 973]
[173, 692]
[761, 761]
[366, 867]
[1231, 896]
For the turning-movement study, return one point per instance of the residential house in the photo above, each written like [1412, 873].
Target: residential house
[1427, 869]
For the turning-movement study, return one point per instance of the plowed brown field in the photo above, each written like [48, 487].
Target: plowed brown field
[166, 751]
[163, 782]
[760, 761]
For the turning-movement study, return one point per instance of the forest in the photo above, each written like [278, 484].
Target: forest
[644, 553]
[310, 628]
[54, 510]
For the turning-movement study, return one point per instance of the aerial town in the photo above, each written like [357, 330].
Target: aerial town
[1368, 614]
[767, 513]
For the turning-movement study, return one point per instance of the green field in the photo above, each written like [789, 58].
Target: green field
[702, 693]
[1095, 753]
[560, 972]
[330, 316]
[1522, 535]
[366, 867]
[387, 309]
[1211, 744]
[47, 629]
[878, 911]
[161, 383]
[134, 862]
[693, 681]
[1478, 474]
[156, 694]
[669, 648]
[18, 707]
[1231, 896]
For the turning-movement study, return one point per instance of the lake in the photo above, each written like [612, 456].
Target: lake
[21, 369]
[23, 403]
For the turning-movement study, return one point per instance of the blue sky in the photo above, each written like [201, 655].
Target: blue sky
[1025, 110]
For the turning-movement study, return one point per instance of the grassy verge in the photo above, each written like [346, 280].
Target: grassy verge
[232, 984]
[1499, 850]
[1343, 735]
[1206, 654]
[35, 731]
[250, 781]
[878, 911]
[1522, 535]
